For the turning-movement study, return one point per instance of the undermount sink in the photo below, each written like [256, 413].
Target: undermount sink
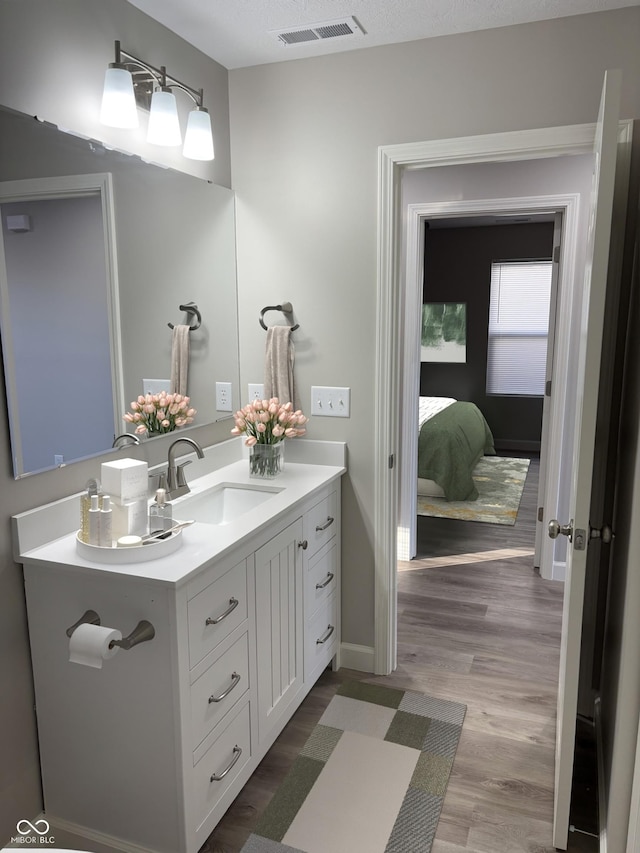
[223, 503]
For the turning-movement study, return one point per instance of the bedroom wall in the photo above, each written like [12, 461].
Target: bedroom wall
[458, 269]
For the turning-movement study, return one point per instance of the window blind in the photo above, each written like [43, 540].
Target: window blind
[518, 327]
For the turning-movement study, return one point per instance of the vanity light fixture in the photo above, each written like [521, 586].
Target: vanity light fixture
[131, 83]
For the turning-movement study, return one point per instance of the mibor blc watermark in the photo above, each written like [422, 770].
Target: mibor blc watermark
[30, 834]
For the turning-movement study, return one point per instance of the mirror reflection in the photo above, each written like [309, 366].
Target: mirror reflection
[168, 241]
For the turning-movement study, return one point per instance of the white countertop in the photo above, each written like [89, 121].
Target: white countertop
[202, 543]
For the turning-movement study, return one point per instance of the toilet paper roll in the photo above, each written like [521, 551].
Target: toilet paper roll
[89, 644]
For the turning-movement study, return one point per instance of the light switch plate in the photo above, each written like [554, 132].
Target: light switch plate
[156, 386]
[223, 397]
[330, 402]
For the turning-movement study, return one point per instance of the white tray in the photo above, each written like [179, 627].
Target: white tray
[137, 554]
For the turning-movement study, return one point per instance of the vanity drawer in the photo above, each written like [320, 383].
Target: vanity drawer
[218, 689]
[321, 523]
[321, 578]
[220, 765]
[321, 638]
[216, 611]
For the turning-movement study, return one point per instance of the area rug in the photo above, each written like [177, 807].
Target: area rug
[370, 779]
[499, 481]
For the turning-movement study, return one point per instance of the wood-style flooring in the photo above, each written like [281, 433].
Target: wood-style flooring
[478, 625]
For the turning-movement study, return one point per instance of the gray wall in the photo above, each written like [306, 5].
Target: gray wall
[304, 163]
[53, 54]
[305, 143]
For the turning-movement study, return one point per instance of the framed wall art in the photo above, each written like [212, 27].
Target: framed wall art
[444, 332]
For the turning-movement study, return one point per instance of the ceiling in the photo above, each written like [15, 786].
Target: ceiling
[239, 33]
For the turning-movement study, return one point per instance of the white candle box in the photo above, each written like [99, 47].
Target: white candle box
[125, 479]
[129, 517]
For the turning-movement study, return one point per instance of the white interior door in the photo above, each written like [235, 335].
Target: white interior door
[577, 526]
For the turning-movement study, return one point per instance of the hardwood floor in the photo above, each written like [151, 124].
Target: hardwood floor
[482, 629]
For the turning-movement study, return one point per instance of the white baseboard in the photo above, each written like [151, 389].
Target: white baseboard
[357, 657]
[66, 832]
[558, 570]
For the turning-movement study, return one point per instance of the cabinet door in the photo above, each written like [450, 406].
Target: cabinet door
[279, 621]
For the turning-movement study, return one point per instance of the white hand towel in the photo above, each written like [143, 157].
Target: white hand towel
[278, 368]
[179, 359]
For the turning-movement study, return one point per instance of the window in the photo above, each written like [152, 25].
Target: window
[518, 327]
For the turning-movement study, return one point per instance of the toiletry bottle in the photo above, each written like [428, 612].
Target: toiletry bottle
[105, 522]
[93, 487]
[94, 520]
[160, 513]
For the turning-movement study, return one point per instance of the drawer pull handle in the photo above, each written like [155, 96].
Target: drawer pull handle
[235, 678]
[328, 523]
[325, 583]
[325, 636]
[233, 603]
[304, 544]
[216, 777]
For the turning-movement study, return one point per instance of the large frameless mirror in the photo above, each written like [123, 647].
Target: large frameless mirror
[100, 252]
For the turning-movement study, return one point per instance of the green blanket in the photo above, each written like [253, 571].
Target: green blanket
[449, 447]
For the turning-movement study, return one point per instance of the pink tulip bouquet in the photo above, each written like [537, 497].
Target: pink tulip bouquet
[268, 422]
[157, 414]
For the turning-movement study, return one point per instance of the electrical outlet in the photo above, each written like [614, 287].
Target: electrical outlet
[330, 402]
[256, 391]
[58, 459]
[223, 397]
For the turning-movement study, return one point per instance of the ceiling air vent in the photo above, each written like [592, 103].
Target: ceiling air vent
[341, 28]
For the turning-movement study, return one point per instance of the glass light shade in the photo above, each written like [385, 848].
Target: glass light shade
[164, 127]
[118, 101]
[198, 140]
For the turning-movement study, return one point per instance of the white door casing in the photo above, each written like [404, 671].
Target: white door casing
[557, 271]
[499, 147]
[416, 214]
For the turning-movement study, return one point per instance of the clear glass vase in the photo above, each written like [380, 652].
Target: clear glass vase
[266, 460]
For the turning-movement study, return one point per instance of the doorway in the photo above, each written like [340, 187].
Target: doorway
[421, 159]
[469, 211]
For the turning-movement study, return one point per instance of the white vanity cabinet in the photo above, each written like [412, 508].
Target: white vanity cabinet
[147, 753]
[321, 580]
[279, 618]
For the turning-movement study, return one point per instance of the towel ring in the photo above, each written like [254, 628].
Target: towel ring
[192, 310]
[286, 308]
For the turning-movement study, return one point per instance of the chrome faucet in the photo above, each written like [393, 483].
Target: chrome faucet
[176, 483]
[124, 439]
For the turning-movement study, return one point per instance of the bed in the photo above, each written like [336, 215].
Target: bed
[453, 436]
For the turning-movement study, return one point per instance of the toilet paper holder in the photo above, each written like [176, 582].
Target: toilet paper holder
[89, 616]
[142, 633]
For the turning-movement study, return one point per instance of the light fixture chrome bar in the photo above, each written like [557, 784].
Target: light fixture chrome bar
[131, 82]
[159, 75]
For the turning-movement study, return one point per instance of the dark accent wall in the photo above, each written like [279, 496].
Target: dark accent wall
[457, 268]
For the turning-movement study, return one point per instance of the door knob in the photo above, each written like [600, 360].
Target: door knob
[556, 529]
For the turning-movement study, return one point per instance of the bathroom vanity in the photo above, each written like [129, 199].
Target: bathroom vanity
[146, 753]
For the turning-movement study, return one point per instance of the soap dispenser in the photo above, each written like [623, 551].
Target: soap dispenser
[94, 521]
[160, 513]
[93, 487]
